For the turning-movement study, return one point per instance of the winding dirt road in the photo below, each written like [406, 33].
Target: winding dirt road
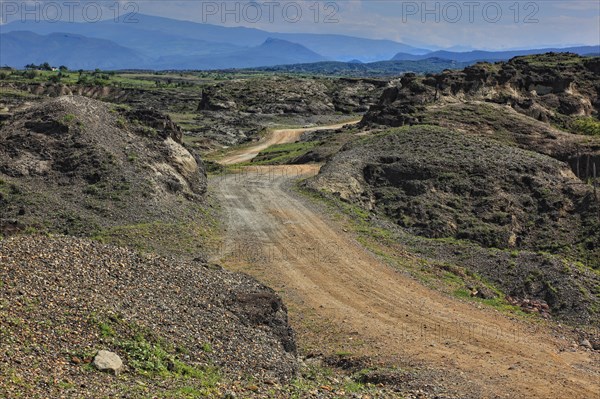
[343, 298]
[279, 136]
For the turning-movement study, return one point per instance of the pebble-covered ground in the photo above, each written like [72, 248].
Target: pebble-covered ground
[63, 299]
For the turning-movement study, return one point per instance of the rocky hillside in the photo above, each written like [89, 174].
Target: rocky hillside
[504, 101]
[76, 165]
[440, 184]
[283, 95]
[181, 329]
[550, 87]
[163, 99]
[236, 111]
[217, 113]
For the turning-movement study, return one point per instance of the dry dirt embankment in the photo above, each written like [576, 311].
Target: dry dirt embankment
[75, 165]
[344, 299]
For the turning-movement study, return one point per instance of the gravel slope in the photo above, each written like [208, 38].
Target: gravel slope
[62, 299]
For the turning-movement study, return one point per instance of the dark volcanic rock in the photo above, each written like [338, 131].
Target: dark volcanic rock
[162, 124]
[265, 308]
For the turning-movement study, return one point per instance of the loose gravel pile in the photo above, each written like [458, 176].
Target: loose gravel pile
[62, 298]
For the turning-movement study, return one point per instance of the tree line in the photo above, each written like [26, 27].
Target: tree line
[45, 67]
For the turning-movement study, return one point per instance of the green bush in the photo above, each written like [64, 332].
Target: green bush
[153, 358]
[30, 74]
[145, 356]
[587, 126]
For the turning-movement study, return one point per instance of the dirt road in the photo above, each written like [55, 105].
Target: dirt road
[342, 298]
[280, 136]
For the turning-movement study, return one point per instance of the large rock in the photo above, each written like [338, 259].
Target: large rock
[108, 361]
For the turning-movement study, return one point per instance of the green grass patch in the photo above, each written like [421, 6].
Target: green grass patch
[108, 191]
[207, 347]
[148, 354]
[181, 118]
[153, 358]
[106, 330]
[587, 126]
[281, 154]
[163, 238]
[498, 303]
[15, 93]
[552, 61]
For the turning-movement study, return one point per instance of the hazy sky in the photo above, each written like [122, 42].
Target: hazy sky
[445, 24]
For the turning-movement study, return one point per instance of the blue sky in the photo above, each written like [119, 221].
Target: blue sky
[435, 24]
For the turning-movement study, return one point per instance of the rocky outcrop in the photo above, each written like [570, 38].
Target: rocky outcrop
[229, 112]
[160, 98]
[264, 308]
[484, 191]
[238, 111]
[150, 118]
[58, 89]
[86, 164]
[281, 95]
[546, 87]
[505, 101]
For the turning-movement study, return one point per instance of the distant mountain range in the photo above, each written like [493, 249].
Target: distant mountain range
[163, 43]
[78, 52]
[173, 44]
